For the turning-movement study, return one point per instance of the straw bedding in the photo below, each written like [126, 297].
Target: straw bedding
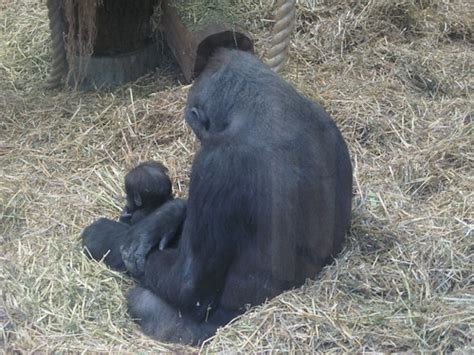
[397, 77]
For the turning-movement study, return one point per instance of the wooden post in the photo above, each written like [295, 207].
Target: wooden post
[192, 44]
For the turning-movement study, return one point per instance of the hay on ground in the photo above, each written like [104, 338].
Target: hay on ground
[397, 77]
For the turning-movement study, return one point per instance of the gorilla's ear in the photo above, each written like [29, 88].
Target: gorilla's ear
[137, 199]
[198, 120]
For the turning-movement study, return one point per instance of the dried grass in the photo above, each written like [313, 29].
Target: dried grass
[397, 77]
[198, 13]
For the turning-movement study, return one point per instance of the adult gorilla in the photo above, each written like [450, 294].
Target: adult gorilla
[269, 203]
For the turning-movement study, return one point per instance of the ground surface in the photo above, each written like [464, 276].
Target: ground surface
[397, 77]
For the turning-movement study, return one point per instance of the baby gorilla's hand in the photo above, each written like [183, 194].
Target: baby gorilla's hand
[126, 216]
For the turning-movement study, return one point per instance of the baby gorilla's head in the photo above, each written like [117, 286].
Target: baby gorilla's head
[147, 187]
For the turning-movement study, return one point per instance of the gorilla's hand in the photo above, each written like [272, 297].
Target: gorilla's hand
[158, 228]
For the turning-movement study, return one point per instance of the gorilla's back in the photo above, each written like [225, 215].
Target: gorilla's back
[301, 201]
[290, 199]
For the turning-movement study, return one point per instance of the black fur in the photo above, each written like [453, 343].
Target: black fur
[147, 187]
[159, 229]
[269, 203]
[104, 239]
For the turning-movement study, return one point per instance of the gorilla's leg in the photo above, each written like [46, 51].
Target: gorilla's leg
[103, 240]
[163, 322]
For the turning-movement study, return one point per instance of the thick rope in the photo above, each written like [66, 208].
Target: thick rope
[285, 20]
[57, 27]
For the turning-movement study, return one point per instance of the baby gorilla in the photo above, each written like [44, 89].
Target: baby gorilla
[148, 187]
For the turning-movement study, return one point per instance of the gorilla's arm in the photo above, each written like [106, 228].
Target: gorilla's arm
[158, 228]
[192, 276]
[220, 215]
